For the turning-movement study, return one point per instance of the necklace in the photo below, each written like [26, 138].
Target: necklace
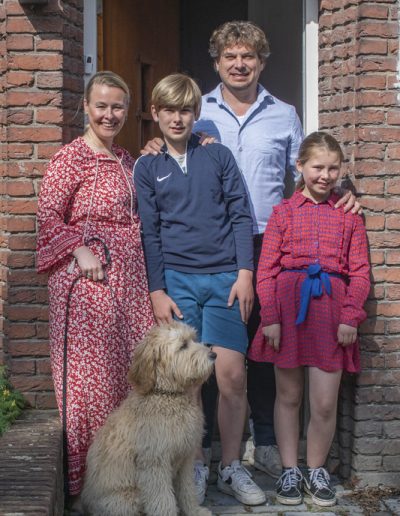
[103, 150]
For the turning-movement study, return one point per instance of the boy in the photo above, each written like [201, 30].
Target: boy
[197, 231]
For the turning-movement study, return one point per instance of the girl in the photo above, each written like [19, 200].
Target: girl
[313, 280]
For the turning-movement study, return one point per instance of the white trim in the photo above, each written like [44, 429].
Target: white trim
[89, 38]
[310, 66]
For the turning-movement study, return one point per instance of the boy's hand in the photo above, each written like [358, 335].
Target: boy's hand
[346, 334]
[349, 202]
[243, 290]
[164, 307]
[272, 335]
[153, 147]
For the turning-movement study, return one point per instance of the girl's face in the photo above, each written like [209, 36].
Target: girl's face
[320, 173]
[106, 110]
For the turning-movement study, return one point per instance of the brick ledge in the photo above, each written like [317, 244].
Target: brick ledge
[31, 473]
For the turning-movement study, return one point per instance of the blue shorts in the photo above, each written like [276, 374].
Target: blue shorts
[203, 301]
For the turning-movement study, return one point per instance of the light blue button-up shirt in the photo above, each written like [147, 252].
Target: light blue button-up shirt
[265, 145]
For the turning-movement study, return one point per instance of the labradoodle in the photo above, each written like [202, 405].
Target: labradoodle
[141, 461]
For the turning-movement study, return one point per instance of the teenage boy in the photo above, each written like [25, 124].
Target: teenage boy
[197, 231]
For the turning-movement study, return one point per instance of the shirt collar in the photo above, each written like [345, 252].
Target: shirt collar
[193, 142]
[216, 95]
[298, 199]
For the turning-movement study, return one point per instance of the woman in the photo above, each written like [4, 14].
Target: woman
[89, 242]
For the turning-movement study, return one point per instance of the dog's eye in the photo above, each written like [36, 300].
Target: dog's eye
[184, 345]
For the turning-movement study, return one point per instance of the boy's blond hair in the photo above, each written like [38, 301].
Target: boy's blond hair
[177, 91]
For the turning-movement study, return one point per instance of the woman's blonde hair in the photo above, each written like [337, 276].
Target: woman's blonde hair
[314, 140]
[239, 32]
[109, 79]
[177, 91]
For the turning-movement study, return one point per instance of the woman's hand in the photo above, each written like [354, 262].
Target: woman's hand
[89, 264]
[272, 335]
[346, 334]
[164, 307]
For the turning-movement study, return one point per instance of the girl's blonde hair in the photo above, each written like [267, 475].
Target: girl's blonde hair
[109, 79]
[315, 140]
[177, 91]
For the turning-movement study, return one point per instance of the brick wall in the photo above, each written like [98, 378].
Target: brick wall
[43, 73]
[359, 103]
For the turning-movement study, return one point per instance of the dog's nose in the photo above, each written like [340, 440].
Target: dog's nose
[212, 355]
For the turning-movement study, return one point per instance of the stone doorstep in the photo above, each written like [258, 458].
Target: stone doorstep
[31, 476]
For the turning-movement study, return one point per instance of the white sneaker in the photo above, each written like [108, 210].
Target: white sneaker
[236, 481]
[201, 473]
[267, 459]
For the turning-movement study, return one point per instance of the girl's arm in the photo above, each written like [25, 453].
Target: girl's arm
[56, 239]
[353, 313]
[268, 269]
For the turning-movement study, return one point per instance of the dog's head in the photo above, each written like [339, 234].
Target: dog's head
[170, 359]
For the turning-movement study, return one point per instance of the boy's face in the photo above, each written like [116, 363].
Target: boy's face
[175, 124]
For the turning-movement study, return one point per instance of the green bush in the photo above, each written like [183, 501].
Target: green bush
[11, 402]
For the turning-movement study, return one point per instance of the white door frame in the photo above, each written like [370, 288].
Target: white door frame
[310, 66]
[90, 38]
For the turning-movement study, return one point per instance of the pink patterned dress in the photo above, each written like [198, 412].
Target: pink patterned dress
[88, 197]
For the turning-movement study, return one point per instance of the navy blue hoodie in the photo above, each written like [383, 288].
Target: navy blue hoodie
[198, 221]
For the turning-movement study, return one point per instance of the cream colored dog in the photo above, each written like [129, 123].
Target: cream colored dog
[141, 461]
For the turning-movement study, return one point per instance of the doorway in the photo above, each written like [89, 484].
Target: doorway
[144, 41]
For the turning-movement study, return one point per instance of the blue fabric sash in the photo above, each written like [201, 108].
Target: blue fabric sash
[312, 287]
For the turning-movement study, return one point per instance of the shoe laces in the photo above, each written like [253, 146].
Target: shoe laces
[242, 475]
[290, 478]
[320, 478]
[200, 473]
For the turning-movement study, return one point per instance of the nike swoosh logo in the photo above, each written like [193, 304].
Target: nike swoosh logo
[159, 179]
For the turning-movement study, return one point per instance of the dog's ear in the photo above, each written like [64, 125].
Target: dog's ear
[142, 373]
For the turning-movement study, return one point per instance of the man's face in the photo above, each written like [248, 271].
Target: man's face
[239, 67]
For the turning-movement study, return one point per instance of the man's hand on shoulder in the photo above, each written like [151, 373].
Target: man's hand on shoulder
[152, 147]
[206, 139]
[349, 202]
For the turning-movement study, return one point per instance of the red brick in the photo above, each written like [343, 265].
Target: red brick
[46, 151]
[391, 309]
[50, 80]
[380, 29]
[34, 134]
[393, 117]
[393, 221]
[377, 82]
[27, 313]
[19, 25]
[22, 366]
[393, 326]
[393, 257]
[19, 42]
[372, 326]
[52, 44]
[373, 203]
[36, 62]
[33, 98]
[23, 259]
[393, 275]
[20, 331]
[32, 383]
[25, 277]
[28, 295]
[22, 242]
[370, 186]
[373, 11]
[19, 116]
[16, 224]
[26, 169]
[46, 401]
[393, 151]
[374, 222]
[376, 98]
[377, 257]
[22, 207]
[20, 188]
[31, 347]
[19, 150]
[372, 47]
[49, 116]
[43, 366]
[16, 78]
[392, 292]
[42, 330]
[377, 64]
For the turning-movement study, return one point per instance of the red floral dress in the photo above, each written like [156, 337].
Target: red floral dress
[88, 197]
[300, 233]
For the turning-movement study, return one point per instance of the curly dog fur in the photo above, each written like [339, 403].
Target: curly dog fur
[141, 461]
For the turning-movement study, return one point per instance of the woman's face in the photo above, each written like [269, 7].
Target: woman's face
[106, 109]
